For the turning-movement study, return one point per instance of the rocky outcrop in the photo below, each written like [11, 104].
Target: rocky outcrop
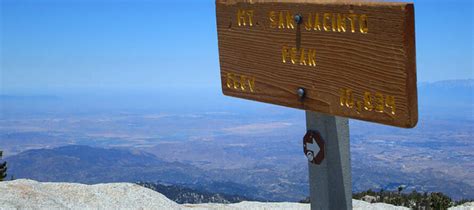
[246, 205]
[28, 194]
[466, 206]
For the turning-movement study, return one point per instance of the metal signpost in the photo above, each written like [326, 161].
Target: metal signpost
[330, 181]
[335, 59]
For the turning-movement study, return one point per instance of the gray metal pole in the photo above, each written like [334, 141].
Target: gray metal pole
[330, 182]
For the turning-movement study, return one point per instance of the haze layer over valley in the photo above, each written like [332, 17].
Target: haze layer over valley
[201, 139]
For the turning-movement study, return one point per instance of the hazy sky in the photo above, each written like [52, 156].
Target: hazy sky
[152, 44]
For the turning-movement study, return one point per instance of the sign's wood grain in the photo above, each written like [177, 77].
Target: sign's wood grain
[353, 59]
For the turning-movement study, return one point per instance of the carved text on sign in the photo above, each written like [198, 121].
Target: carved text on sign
[334, 22]
[306, 57]
[337, 22]
[351, 59]
[281, 19]
[240, 82]
[245, 17]
[376, 102]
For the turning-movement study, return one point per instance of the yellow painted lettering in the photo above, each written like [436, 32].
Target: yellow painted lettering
[390, 103]
[326, 19]
[273, 19]
[285, 53]
[363, 24]
[289, 20]
[241, 17]
[352, 18]
[334, 23]
[308, 25]
[350, 98]
[293, 55]
[379, 105]
[346, 98]
[368, 101]
[302, 57]
[342, 97]
[250, 16]
[281, 20]
[251, 83]
[359, 107]
[341, 23]
[312, 57]
[317, 23]
[243, 80]
[230, 80]
[236, 83]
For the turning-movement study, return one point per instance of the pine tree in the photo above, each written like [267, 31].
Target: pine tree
[440, 201]
[3, 168]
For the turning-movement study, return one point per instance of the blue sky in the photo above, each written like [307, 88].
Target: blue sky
[60, 44]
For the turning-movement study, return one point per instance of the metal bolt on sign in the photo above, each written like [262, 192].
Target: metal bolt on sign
[298, 19]
[301, 93]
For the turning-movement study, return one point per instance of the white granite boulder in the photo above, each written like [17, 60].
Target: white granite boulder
[28, 194]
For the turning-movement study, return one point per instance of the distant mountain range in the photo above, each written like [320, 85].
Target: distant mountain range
[96, 165]
[92, 165]
[449, 98]
[444, 84]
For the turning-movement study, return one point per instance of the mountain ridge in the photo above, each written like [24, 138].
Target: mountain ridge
[92, 165]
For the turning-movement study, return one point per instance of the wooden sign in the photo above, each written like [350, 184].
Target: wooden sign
[352, 59]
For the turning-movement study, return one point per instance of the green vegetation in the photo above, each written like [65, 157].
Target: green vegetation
[181, 194]
[3, 168]
[414, 200]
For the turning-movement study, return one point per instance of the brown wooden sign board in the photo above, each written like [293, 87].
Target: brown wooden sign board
[353, 59]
